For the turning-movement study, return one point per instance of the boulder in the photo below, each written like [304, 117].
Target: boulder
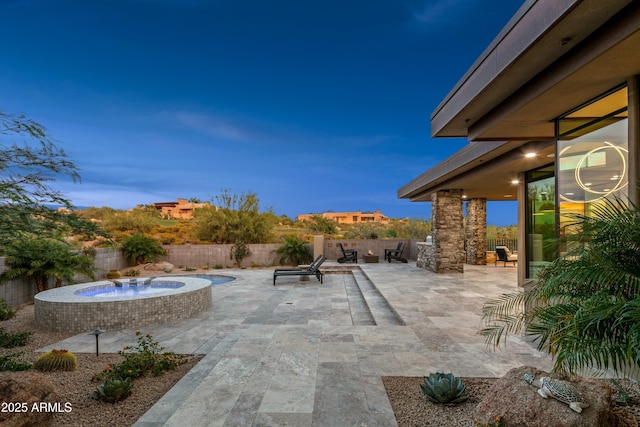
[519, 404]
[160, 266]
[19, 392]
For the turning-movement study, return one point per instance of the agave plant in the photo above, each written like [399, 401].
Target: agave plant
[444, 388]
[584, 309]
[114, 390]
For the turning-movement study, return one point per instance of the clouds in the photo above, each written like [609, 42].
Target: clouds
[437, 12]
[215, 127]
[159, 99]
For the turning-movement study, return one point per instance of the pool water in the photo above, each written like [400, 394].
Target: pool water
[215, 279]
[127, 290]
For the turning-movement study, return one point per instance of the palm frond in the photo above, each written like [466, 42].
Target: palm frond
[584, 310]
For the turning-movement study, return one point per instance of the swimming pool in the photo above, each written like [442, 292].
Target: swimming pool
[215, 279]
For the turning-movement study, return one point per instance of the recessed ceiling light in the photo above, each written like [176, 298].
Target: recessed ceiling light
[515, 181]
[508, 195]
[569, 194]
[464, 196]
[587, 184]
[530, 155]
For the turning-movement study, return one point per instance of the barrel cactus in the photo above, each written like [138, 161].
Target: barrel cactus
[444, 388]
[56, 360]
[114, 390]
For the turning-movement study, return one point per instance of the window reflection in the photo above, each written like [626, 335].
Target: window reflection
[592, 159]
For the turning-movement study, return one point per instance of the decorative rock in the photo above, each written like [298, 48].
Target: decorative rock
[519, 405]
[26, 389]
[159, 266]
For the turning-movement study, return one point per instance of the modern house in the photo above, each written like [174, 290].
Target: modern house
[349, 217]
[551, 110]
[180, 209]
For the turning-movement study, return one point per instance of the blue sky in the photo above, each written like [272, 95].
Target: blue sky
[313, 105]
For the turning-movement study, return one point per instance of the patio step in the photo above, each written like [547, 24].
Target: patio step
[360, 313]
[382, 312]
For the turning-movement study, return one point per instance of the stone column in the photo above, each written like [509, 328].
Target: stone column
[447, 232]
[476, 232]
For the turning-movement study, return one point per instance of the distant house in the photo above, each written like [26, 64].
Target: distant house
[181, 209]
[349, 217]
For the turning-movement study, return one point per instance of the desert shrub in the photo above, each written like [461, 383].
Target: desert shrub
[239, 251]
[235, 218]
[146, 357]
[6, 310]
[11, 339]
[138, 220]
[365, 230]
[11, 362]
[319, 224]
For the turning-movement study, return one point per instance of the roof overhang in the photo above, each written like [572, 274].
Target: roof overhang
[485, 170]
[552, 56]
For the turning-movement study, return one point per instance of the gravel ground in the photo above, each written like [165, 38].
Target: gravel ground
[412, 409]
[77, 388]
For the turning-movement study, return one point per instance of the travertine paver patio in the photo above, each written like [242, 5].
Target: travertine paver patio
[302, 354]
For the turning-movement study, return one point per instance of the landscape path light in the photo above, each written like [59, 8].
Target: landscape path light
[97, 332]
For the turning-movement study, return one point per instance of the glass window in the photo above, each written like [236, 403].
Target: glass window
[541, 219]
[592, 158]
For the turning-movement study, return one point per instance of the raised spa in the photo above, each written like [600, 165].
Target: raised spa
[105, 305]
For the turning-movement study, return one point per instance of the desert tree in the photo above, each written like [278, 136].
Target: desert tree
[234, 218]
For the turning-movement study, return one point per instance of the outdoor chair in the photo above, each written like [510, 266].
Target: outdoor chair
[312, 270]
[503, 254]
[348, 255]
[395, 254]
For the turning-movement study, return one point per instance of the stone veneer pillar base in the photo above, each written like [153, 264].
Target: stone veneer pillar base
[445, 254]
[476, 232]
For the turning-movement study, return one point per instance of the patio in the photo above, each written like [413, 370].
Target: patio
[301, 353]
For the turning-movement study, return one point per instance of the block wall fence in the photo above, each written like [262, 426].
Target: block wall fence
[21, 291]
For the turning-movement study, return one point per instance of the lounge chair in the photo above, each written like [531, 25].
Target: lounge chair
[312, 270]
[395, 254]
[348, 255]
[503, 254]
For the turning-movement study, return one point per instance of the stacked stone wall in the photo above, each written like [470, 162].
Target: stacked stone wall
[448, 232]
[476, 232]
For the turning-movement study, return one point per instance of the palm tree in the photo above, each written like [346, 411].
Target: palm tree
[140, 248]
[68, 264]
[584, 309]
[294, 251]
[43, 259]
